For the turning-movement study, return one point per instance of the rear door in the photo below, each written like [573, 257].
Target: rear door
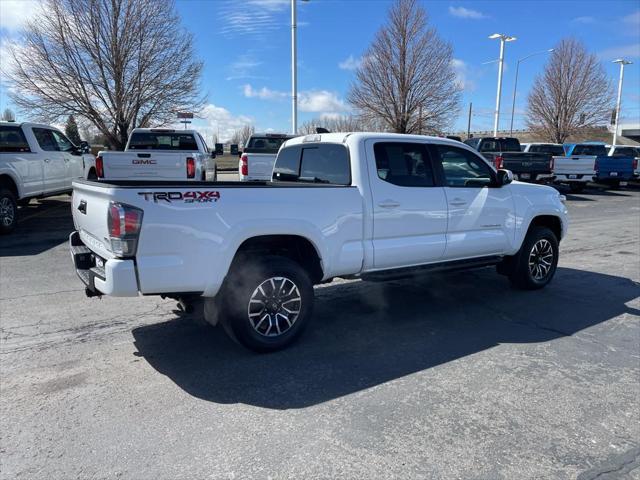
[16, 152]
[480, 216]
[54, 165]
[409, 209]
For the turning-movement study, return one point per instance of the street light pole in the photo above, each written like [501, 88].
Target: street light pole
[622, 63]
[294, 70]
[515, 85]
[503, 38]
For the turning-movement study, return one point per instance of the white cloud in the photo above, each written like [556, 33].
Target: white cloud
[320, 101]
[462, 12]
[308, 100]
[350, 63]
[243, 67]
[633, 19]
[258, 18]
[622, 51]
[462, 75]
[15, 13]
[263, 93]
[216, 119]
[586, 20]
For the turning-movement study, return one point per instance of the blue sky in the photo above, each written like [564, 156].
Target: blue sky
[245, 46]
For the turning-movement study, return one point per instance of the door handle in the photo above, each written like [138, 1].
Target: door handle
[389, 204]
[66, 160]
[457, 202]
[46, 160]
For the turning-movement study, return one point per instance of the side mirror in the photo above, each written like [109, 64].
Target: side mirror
[505, 177]
[213, 154]
[84, 147]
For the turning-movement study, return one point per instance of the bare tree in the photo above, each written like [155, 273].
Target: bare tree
[406, 80]
[241, 135]
[119, 64]
[347, 123]
[8, 115]
[572, 94]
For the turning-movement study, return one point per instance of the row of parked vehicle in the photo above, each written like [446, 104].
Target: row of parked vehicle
[572, 164]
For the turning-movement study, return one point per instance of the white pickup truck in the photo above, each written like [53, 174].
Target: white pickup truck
[36, 161]
[374, 206]
[259, 155]
[159, 154]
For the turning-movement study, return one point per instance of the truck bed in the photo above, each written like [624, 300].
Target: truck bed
[191, 230]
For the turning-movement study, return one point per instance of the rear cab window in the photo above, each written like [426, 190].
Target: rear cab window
[265, 143]
[556, 150]
[173, 141]
[598, 150]
[624, 152]
[325, 163]
[12, 140]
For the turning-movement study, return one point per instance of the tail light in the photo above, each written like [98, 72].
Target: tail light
[191, 167]
[634, 164]
[244, 164]
[551, 164]
[99, 167]
[596, 166]
[124, 222]
[498, 162]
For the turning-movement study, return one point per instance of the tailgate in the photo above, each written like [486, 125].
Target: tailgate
[526, 162]
[261, 164]
[620, 166]
[145, 165]
[576, 165]
[89, 208]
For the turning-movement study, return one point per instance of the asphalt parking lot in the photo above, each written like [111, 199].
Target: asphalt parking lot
[456, 376]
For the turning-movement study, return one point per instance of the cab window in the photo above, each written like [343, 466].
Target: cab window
[12, 139]
[313, 163]
[463, 168]
[404, 164]
[45, 139]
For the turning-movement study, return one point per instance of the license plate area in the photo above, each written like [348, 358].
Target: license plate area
[613, 174]
[572, 177]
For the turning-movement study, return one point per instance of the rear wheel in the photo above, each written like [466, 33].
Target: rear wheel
[535, 264]
[8, 211]
[576, 187]
[267, 303]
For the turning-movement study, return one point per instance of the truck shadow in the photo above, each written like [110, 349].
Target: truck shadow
[364, 334]
[42, 225]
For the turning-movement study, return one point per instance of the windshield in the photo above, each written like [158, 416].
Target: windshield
[162, 141]
[265, 144]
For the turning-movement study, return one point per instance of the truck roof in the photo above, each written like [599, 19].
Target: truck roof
[28, 124]
[343, 136]
[163, 130]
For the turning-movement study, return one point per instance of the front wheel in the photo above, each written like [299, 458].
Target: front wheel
[8, 211]
[535, 264]
[267, 303]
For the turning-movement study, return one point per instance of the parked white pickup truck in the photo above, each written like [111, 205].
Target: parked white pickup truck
[259, 155]
[36, 161]
[159, 154]
[374, 206]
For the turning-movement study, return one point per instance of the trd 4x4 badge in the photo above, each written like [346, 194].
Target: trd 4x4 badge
[186, 197]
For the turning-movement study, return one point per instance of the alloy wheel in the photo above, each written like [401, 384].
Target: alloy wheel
[274, 306]
[541, 259]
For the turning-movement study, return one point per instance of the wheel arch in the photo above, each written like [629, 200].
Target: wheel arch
[295, 247]
[551, 222]
[8, 182]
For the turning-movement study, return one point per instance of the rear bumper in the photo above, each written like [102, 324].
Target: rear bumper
[116, 277]
[573, 178]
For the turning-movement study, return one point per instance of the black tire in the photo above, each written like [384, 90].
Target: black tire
[576, 187]
[242, 285]
[8, 211]
[525, 276]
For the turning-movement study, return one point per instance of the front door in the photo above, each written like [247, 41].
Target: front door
[481, 221]
[55, 169]
[71, 156]
[409, 210]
